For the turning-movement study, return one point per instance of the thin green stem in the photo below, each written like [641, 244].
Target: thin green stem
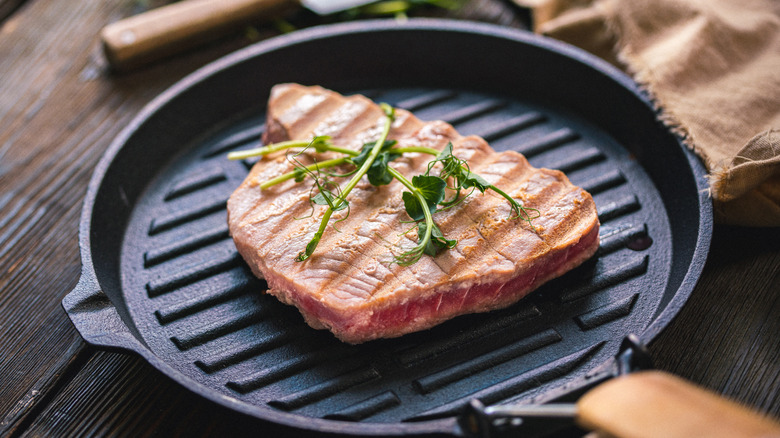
[341, 150]
[389, 7]
[298, 172]
[502, 193]
[369, 161]
[317, 236]
[282, 145]
[347, 189]
[402, 179]
[265, 150]
[275, 147]
[422, 149]
[426, 238]
[516, 206]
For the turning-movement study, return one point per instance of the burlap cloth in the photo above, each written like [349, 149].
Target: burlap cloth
[713, 69]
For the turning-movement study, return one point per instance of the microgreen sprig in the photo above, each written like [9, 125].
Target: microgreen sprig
[421, 201]
[320, 144]
[458, 170]
[339, 201]
[425, 196]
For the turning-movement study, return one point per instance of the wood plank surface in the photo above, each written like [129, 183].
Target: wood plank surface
[726, 336]
[59, 110]
[120, 395]
[8, 7]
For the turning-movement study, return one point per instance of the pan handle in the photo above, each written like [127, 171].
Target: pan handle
[96, 318]
[552, 414]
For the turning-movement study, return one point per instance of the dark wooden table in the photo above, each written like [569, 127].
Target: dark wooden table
[59, 109]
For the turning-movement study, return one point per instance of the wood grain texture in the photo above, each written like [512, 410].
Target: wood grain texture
[121, 395]
[60, 109]
[153, 35]
[649, 404]
[726, 336]
[7, 8]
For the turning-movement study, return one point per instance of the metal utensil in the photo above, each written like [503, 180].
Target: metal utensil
[626, 399]
[646, 404]
[169, 29]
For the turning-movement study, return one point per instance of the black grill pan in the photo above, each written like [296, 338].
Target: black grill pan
[161, 277]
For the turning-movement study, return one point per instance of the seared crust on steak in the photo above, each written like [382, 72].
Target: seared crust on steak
[350, 285]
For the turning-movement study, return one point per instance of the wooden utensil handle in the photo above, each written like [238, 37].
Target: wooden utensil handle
[652, 404]
[168, 29]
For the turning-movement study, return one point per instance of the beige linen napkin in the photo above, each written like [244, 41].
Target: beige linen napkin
[712, 67]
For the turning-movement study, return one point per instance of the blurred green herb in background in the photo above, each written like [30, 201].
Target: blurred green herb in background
[400, 9]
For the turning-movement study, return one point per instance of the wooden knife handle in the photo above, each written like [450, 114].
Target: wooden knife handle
[651, 404]
[169, 29]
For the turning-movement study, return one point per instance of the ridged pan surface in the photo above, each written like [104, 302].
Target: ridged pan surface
[158, 242]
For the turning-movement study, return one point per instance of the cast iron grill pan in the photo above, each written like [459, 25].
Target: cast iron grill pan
[155, 239]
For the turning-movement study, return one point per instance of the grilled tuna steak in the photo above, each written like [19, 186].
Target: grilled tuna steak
[350, 285]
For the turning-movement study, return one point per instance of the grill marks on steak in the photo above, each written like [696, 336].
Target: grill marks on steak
[349, 285]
